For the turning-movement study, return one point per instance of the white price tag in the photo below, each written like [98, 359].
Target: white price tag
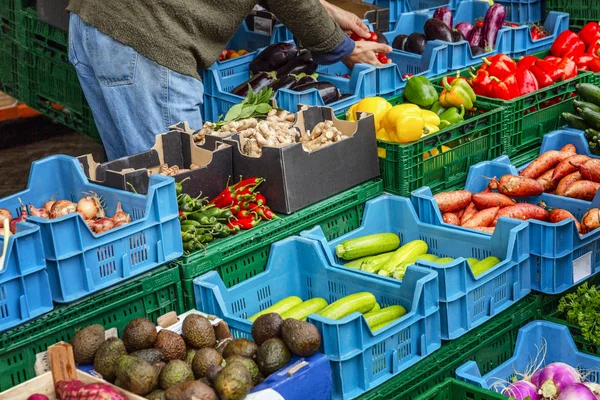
[263, 25]
[268, 394]
[42, 363]
[582, 267]
[112, 332]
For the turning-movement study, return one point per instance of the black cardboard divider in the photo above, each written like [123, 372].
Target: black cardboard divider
[175, 147]
[295, 179]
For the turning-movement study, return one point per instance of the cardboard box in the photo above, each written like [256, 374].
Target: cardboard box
[377, 15]
[174, 148]
[54, 12]
[296, 179]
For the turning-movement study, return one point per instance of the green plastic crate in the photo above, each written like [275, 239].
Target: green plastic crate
[580, 11]
[9, 10]
[150, 296]
[37, 35]
[528, 118]
[489, 345]
[244, 255]
[453, 389]
[10, 52]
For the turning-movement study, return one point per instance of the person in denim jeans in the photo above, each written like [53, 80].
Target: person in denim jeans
[138, 61]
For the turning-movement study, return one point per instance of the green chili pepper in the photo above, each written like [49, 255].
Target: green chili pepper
[187, 207]
[187, 236]
[188, 228]
[191, 223]
[184, 198]
[190, 246]
[453, 116]
[225, 213]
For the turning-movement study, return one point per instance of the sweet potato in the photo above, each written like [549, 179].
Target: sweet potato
[523, 211]
[558, 215]
[488, 200]
[453, 201]
[543, 163]
[569, 148]
[583, 190]
[566, 182]
[519, 186]
[591, 220]
[486, 229]
[460, 213]
[451, 218]
[566, 167]
[492, 186]
[483, 218]
[590, 170]
[469, 212]
[546, 181]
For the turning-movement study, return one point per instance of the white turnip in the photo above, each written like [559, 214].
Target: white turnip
[576, 391]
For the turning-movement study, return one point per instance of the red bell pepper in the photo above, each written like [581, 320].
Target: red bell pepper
[595, 65]
[500, 66]
[550, 69]
[481, 82]
[526, 62]
[594, 49]
[583, 61]
[567, 68]
[590, 33]
[542, 78]
[507, 89]
[567, 44]
[526, 81]
[552, 59]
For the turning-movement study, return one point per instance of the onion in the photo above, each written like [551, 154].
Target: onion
[38, 212]
[48, 205]
[577, 391]
[102, 225]
[556, 377]
[594, 388]
[21, 218]
[121, 217]
[61, 208]
[90, 207]
[522, 390]
[4, 214]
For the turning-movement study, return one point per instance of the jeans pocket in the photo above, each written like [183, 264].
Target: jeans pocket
[74, 34]
[114, 63]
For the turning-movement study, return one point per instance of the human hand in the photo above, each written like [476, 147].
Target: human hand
[367, 52]
[346, 20]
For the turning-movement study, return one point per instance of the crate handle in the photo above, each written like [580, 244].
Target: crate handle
[297, 368]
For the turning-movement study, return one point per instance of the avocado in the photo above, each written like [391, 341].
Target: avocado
[222, 344]
[159, 366]
[266, 327]
[198, 332]
[249, 364]
[156, 395]
[137, 376]
[212, 372]
[171, 345]
[106, 357]
[205, 358]
[86, 342]
[301, 337]
[233, 382]
[272, 356]
[139, 334]
[174, 373]
[190, 390]
[189, 356]
[241, 347]
[153, 356]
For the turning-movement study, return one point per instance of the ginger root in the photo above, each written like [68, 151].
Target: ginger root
[323, 134]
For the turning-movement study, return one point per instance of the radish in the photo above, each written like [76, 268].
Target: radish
[38, 397]
[577, 391]
[555, 378]
[522, 390]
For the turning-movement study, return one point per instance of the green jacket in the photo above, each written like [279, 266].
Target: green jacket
[189, 35]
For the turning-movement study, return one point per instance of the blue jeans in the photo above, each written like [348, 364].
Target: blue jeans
[132, 97]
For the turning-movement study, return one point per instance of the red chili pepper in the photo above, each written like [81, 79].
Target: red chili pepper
[583, 61]
[594, 49]
[479, 23]
[595, 65]
[526, 81]
[245, 223]
[265, 213]
[550, 69]
[567, 44]
[481, 83]
[224, 199]
[260, 199]
[542, 78]
[590, 33]
[235, 208]
[247, 182]
[501, 66]
[242, 214]
[505, 90]
[234, 227]
[526, 62]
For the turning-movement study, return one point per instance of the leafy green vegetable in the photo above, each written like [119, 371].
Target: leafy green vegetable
[583, 308]
[255, 105]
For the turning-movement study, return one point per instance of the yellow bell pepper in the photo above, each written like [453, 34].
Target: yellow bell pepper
[383, 135]
[429, 129]
[389, 121]
[351, 113]
[409, 128]
[430, 118]
[378, 106]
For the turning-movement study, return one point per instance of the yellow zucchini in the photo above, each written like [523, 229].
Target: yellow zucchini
[374, 263]
[405, 253]
[383, 325]
[367, 246]
[375, 308]
[484, 265]
[472, 261]
[361, 302]
[304, 309]
[387, 314]
[400, 270]
[444, 260]
[279, 307]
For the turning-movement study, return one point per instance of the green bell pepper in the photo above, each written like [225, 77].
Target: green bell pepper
[420, 91]
[437, 108]
[458, 93]
[452, 116]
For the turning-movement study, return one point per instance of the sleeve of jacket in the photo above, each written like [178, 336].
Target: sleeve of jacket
[309, 22]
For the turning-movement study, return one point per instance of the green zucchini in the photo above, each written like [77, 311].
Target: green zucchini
[592, 118]
[279, 307]
[367, 246]
[405, 253]
[472, 261]
[383, 325]
[374, 264]
[444, 260]
[356, 264]
[361, 302]
[375, 308]
[400, 270]
[586, 104]
[575, 121]
[592, 134]
[484, 265]
[589, 92]
[304, 309]
[387, 314]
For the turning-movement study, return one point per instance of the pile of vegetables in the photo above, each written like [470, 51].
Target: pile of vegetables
[362, 302]
[582, 308]
[284, 66]
[481, 36]
[582, 48]
[237, 207]
[381, 254]
[90, 207]
[587, 115]
[228, 54]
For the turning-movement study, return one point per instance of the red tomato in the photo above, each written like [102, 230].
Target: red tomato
[374, 37]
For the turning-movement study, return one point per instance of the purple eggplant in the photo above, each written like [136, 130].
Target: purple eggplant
[457, 36]
[303, 80]
[465, 28]
[285, 82]
[329, 93]
[476, 36]
[258, 82]
[273, 57]
[493, 22]
[445, 15]
[415, 43]
[303, 63]
[477, 51]
[399, 42]
[437, 30]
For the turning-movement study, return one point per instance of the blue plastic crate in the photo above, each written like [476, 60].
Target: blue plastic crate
[559, 346]
[360, 359]
[560, 257]
[466, 301]
[399, 7]
[79, 262]
[24, 286]
[522, 11]
[220, 80]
